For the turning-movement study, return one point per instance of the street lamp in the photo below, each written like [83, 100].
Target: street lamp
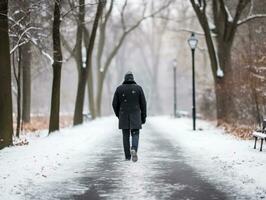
[193, 41]
[174, 70]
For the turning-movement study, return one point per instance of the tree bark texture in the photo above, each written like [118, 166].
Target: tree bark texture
[6, 119]
[26, 82]
[57, 65]
[78, 115]
[18, 79]
[26, 67]
[101, 78]
[91, 94]
[79, 62]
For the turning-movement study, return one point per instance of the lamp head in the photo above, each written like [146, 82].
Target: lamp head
[193, 41]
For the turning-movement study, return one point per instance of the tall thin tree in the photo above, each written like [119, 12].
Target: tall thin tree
[57, 65]
[17, 68]
[26, 68]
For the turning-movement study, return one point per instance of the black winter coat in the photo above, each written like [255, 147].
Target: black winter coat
[129, 105]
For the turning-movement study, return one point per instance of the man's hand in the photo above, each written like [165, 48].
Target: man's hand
[143, 120]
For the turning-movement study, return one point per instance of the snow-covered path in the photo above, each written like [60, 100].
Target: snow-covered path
[87, 162]
[159, 174]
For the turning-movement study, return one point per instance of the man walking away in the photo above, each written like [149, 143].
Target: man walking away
[129, 106]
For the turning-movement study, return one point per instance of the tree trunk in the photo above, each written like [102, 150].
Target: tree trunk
[81, 34]
[78, 118]
[91, 94]
[224, 86]
[25, 62]
[101, 77]
[26, 80]
[6, 120]
[221, 100]
[231, 106]
[78, 115]
[252, 83]
[19, 93]
[55, 103]
[57, 65]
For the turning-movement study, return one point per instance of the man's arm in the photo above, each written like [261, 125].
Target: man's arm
[116, 103]
[143, 106]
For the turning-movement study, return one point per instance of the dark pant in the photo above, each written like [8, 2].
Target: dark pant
[126, 141]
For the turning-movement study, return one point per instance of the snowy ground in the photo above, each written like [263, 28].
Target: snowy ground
[220, 157]
[55, 163]
[49, 159]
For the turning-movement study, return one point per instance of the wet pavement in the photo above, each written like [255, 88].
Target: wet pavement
[161, 173]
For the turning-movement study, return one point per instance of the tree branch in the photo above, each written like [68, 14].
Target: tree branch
[240, 7]
[233, 26]
[225, 11]
[250, 18]
[129, 30]
[203, 20]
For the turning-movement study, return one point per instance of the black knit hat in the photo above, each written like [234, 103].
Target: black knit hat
[129, 76]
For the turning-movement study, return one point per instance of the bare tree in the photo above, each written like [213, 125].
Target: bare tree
[6, 121]
[26, 68]
[17, 69]
[103, 64]
[20, 53]
[24, 35]
[78, 115]
[57, 65]
[224, 26]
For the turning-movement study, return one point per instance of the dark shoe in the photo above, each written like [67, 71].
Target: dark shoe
[127, 159]
[134, 155]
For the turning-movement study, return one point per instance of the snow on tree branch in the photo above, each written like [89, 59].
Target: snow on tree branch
[251, 8]
[128, 30]
[190, 31]
[251, 17]
[230, 18]
[21, 37]
[26, 35]
[201, 4]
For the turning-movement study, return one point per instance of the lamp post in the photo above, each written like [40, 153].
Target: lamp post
[193, 41]
[174, 71]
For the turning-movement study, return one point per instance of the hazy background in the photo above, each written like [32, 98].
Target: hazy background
[148, 52]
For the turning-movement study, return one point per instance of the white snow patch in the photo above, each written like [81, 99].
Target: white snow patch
[220, 72]
[211, 25]
[220, 157]
[230, 18]
[48, 56]
[48, 159]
